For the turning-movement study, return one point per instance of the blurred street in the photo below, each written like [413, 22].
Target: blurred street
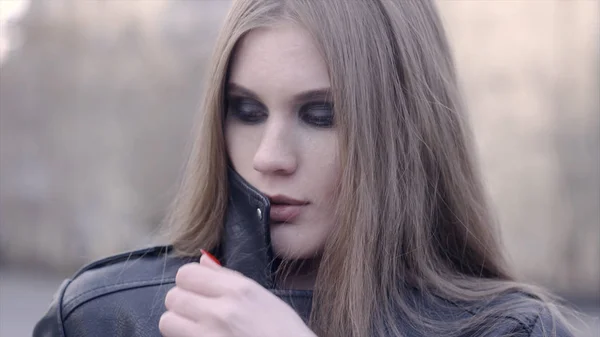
[25, 296]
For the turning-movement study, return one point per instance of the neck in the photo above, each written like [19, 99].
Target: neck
[296, 274]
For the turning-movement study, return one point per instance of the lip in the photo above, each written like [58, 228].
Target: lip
[284, 208]
[281, 199]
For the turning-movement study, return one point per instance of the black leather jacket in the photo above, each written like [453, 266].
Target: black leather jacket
[123, 295]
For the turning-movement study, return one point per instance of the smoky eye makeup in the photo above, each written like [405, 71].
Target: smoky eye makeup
[251, 111]
[246, 109]
[314, 107]
[319, 114]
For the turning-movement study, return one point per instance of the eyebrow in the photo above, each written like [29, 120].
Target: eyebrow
[309, 95]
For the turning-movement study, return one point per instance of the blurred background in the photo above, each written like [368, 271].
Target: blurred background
[97, 99]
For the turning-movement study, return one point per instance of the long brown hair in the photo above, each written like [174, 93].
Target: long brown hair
[411, 212]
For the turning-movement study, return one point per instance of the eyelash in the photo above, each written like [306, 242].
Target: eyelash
[255, 112]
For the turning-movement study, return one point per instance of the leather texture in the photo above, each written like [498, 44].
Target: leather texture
[123, 295]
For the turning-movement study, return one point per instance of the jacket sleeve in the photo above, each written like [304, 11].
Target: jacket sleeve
[548, 325]
[51, 324]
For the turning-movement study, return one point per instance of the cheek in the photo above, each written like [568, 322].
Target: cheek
[241, 145]
[325, 164]
[323, 176]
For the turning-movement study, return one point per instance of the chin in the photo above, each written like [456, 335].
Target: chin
[292, 244]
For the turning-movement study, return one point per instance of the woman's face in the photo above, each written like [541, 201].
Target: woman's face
[281, 136]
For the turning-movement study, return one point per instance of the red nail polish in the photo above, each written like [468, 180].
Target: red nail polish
[210, 256]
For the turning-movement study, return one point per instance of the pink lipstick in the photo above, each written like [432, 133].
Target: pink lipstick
[285, 209]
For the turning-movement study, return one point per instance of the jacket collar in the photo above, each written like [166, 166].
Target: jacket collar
[246, 241]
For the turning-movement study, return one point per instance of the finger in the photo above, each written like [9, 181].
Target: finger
[186, 304]
[208, 262]
[174, 325]
[202, 280]
[208, 259]
[211, 282]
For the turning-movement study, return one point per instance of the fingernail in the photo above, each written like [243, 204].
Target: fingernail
[210, 256]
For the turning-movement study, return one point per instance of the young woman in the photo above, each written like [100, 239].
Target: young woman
[333, 179]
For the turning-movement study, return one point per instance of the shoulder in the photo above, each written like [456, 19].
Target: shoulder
[520, 314]
[130, 282]
[513, 313]
[130, 270]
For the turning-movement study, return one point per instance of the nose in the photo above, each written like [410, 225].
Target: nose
[276, 152]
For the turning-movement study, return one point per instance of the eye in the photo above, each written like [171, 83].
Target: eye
[246, 110]
[319, 114]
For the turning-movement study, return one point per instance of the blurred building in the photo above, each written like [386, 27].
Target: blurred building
[97, 101]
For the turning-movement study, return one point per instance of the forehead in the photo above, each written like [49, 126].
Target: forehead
[283, 56]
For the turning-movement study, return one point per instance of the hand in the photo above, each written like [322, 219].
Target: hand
[212, 301]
